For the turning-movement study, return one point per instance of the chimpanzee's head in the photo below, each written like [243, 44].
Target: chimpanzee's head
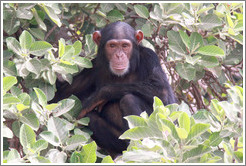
[118, 42]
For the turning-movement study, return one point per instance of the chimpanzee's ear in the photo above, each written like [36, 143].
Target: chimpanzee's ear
[139, 36]
[97, 37]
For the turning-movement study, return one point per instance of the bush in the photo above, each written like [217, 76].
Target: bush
[200, 47]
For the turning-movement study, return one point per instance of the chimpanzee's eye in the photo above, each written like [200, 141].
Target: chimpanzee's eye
[112, 45]
[125, 45]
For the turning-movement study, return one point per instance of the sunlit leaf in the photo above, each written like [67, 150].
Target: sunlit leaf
[89, 153]
[39, 48]
[186, 71]
[27, 136]
[31, 120]
[197, 130]
[211, 50]
[41, 96]
[8, 82]
[142, 11]
[115, 15]
[50, 137]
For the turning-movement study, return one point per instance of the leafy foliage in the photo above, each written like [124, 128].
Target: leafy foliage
[200, 45]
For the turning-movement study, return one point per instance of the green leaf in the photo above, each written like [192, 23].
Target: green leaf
[52, 106]
[175, 43]
[8, 82]
[76, 157]
[89, 153]
[71, 69]
[77, 47]
[147, 30]
[211, 50]
[25, 98]
[239, 155]
[215, 139]
[75, 111]
[142, 11]
[39, 48]
[209, 22]
[38, 33]
[12, 25]
[13, 45]
[83, 62]
[209, 61]
[197, 130]
[171, 126]
[21, 107]
[159, 107]
[39, 145]
[186, 71]
[157, 13]
[51, 75]
[26, 40]
[106, 7]
[27, 136]
[75, 141]
[58, 128]
[238, 38]
[55, 156]
[184, 121]
[196, 41]
[142, 156]
[9, 68]
[13, 156]
[107, 159]
[89, 42]
[34, 65]
[195, 153]
[50, 137]
[115, 15]
[68, 53]
[39, 20]
[24, 13]
[48, 90]
[182, 133]
[66, 105]
[39, 159]
[10, 99]
[185, 38]
[137, 133]
[229, 20]
[61, 48]
[84, 121]
[52, 15]
[135, 121]
[205, 9]
[239, 26]
[41, 96]
[31, 120]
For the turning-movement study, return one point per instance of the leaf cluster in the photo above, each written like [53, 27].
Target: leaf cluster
[200, 46]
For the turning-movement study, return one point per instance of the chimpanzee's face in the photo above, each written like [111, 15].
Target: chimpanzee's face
[118, 52]
[117, 41]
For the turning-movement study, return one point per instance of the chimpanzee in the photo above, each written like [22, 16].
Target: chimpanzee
[123, 81]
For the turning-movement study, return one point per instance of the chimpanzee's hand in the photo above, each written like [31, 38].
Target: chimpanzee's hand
[91, 103]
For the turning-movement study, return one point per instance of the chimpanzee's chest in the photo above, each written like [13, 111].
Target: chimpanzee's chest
[111, 79]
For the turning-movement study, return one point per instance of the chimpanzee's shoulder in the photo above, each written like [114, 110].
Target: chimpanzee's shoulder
[148, 54]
